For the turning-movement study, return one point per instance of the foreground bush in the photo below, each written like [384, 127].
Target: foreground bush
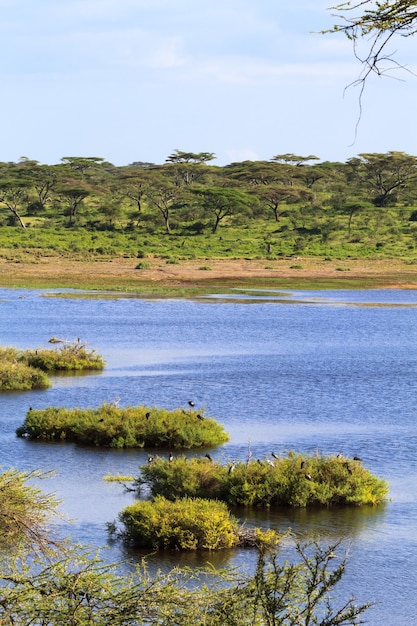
[25, 511]
[186, 524]
[79, 590]
[293, 480]
[130, 427]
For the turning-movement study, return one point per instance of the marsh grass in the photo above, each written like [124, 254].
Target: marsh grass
[130, 427]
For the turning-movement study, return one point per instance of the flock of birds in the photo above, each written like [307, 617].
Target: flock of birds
[303, 464]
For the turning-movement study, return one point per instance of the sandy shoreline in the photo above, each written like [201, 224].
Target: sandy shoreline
[122, 273]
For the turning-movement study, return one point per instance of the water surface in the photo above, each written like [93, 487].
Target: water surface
[326, 371]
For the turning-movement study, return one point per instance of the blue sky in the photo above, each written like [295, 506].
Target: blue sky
[133, 80]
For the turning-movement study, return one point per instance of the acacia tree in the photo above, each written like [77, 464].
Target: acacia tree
[385, 175]
[275, 195]
[378, 21]
[223, 202]
[72, 197]
[13, 195]
[44, 179]
[163, 195]
[188, 167]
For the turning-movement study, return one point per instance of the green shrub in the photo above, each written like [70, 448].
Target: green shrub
[76, 588]
[17, 375]
[186, 524]
[130, 427]
[290, 481]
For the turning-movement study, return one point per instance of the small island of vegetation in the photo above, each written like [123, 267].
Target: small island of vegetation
[190, 502]
[129, 427]
[22, 370]
[293, 480]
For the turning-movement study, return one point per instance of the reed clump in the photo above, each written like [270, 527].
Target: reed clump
[293, 480]
[129, 427]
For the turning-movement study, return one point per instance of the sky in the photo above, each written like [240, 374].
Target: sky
[134, 80]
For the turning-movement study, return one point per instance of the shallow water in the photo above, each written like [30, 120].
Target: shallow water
[309, 371]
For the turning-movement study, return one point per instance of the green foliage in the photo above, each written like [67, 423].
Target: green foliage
[130, 427]
[289, 481]
[25, 512]
[186, 524]
[378, 22]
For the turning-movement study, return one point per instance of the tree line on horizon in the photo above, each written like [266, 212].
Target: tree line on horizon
[189, 195]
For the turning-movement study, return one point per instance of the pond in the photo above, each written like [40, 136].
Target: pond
[322, 371]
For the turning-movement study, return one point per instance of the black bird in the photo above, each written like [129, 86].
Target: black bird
[147, 415]
[200, 417]
[171, 457]
[308, 476]
[191, 403]
[275, 455]
[208, 457]
[150, 459]
[357, 458]
[231, 468]
[303, 464]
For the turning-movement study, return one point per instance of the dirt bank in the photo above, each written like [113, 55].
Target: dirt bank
[121, 273]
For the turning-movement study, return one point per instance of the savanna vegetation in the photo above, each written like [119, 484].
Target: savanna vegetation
[128, 427]
[46, 580]
[292, 480]
[187, 208]
[22, 370]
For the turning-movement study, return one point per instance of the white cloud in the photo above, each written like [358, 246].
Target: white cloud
[235, 155]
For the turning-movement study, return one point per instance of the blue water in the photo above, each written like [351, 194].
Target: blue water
[307, 371]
